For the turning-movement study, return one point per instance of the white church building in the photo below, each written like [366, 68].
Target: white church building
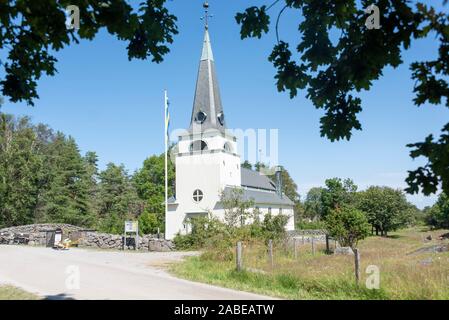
[207, 162]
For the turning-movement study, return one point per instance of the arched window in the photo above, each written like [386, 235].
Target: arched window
[227, 147]
[198, 145]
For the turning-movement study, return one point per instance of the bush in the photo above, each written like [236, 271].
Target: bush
[203, 229]
[348, 225]
[149, 223]
[438, 215]
[273, 227]
[219, 239]
[313, 225]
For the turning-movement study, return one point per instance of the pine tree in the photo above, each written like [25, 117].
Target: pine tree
[117, 199]
[66, 199]
[20, 163]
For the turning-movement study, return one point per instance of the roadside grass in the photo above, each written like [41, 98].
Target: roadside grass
[403, 274]
[13, 293]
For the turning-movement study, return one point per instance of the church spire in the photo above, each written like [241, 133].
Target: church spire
[207, 110]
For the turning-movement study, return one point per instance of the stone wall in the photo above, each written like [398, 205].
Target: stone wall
[112, 241]
[307, 235]
[36, 235]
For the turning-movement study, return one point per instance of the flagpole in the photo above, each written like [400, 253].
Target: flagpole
[166, 153]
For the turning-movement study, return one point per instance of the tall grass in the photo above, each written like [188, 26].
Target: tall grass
[403, 275]
[13, 293]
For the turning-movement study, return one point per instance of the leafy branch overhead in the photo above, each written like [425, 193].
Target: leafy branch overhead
[337, 56]
[31, 30]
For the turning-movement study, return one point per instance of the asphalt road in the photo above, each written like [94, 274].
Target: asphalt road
[99, 275]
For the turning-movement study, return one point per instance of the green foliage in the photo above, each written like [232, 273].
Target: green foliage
[148, 223]
[435, 173]
[21, 167]
[273, 227]
[44, 178]
[247, 165]
[386, 209]
[203, 228]
[337, 193]
[348, 225]
[254, 22]
[117, 199]
[31, 31]
[149, 182]
[333, 70]
[236, 209]
[289, 187]
[313, 206]
[438, 215]
[313, 225]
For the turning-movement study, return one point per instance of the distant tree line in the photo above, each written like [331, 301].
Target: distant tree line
[385, 209]
[437, 216]
[44, 178]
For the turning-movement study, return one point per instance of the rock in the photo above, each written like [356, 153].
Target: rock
[432, 249]
[160, 245]
[347, 251]
[426, 262]
[444, 236]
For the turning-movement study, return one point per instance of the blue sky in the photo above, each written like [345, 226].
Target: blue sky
[115, 107]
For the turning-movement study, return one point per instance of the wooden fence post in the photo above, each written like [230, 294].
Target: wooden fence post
[327, 244]
[357, 265]
[313, 245]
[239, 260]
[270, 252]
[296, 248]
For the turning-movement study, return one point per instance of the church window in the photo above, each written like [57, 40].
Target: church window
[227, 147]
[197, 195]
[200, 117]
[198, 145]
[280, 210]
[221, 118]
[269, 210]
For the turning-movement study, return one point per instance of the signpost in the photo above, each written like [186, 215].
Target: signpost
[131, 227]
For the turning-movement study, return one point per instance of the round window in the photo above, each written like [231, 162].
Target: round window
[197, 195]
[200, 117]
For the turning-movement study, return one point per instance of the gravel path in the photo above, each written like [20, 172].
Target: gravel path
[103, 275]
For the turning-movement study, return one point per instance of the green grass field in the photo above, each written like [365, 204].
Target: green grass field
[403, 275]
[13, 293]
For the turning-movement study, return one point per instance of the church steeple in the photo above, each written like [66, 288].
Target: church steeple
[207, 110]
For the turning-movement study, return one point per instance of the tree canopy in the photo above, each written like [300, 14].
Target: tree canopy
[44, 178]
[337, 194]
[387, 209]
[438, 215]
[348, 225]
[336, 56]
[31, 31]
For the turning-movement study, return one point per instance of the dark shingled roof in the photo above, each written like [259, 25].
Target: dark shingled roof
[207, 93]
[254, 179]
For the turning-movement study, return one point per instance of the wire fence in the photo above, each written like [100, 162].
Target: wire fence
[280, 256]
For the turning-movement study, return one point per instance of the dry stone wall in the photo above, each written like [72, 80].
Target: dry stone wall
[36, 234]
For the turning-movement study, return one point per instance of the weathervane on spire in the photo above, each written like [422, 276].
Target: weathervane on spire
[206, 14]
